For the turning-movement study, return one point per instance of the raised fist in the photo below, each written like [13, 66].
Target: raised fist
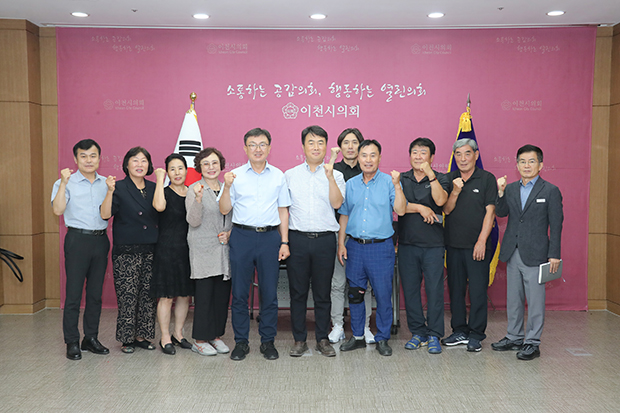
[457, 185]
[111, 183]
[229, 178]
[160, 174]
[395, 177]
[65, 174]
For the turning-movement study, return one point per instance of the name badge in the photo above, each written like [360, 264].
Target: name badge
[541, 200]
[476, 190]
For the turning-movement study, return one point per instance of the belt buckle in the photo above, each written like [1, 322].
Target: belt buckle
[261, 229]
[313, 235]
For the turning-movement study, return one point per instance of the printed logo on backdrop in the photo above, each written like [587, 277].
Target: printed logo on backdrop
[328, 44]
[431, 49]
[346, 91]
[527, 44]
[522, 105]
[227, 48]
[122, 44]
[123, 104]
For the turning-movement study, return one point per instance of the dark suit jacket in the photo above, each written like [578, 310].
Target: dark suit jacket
[537, 230]
[135, 219]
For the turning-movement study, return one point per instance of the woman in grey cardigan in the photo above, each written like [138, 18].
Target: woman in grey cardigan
[207, 237]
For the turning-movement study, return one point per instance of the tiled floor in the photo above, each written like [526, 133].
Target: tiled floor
[579, 371]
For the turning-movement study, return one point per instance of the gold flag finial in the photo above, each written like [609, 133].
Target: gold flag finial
[465, 120]
[192, 96]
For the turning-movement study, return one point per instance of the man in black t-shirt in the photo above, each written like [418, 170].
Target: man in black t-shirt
[470, 212]
[421, 246]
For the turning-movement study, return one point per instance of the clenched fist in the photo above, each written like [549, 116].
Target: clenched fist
[501, 186]
[229, 178]
[395, 178]
[457, 185]
[65, 174]
[160, 174]
[111, 183]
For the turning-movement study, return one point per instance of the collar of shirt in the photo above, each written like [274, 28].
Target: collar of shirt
[529, 184]
[248, 168]
[411, 175]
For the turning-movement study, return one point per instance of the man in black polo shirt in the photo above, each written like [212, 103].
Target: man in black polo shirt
[348, 143]
[470, 212]
[421, 246]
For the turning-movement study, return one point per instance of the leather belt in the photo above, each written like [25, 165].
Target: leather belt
[97, 232]
[368, 241]
[257, 229]
[313, 234]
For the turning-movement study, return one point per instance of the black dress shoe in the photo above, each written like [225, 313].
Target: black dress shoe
[506, 344]
[241, 349]
[73, 351]
[268, 350]
[352, 344]
[94, 346]
[183, 343]
[529, 352]
[168, 348]
[384, 348]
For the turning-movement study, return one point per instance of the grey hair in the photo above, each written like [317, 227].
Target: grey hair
[465, 141]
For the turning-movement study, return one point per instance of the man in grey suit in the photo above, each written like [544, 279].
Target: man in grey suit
[533, 237]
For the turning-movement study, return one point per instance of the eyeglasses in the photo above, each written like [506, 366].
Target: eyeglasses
[253, 146]
[530, 162]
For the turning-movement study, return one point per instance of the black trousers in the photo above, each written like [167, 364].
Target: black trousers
[311, 259]
[211, 299]
[463, 270]
[86, 260]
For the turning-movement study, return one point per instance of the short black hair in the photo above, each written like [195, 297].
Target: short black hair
[172, 156]
[531, 148]
[205, 153]
[133, 152]
[425, 142]
[257, 132]
[315, 130]
[354, 131]
[368, 142]
[85, 144]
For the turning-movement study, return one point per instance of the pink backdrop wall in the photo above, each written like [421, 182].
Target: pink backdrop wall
[128, 87]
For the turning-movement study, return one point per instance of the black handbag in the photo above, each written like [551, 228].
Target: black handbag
[8, 257]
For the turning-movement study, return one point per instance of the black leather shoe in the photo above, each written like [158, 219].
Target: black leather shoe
[168, 348]
[384, 348]
[529, 352]
[73, 351]
[94, 346]
[268, 350]
[352, 344]
[506, 344]
[241, 349]
[183, 343]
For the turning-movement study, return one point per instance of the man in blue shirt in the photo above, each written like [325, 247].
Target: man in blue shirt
[258, 197]
[533, 236]
[366, 216]
[316, 189]
[78, 197]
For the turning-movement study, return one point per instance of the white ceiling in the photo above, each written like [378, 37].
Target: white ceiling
[346, 14]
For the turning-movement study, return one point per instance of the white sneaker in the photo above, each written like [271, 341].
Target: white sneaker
[219, 346]
[369, 336]
[336, 334]
[204, 349]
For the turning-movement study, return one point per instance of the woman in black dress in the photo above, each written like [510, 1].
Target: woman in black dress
[171, 269]
[135, 232]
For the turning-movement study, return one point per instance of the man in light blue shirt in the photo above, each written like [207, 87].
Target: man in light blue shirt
[366, 216]
[78, 197]
[316, 189]
[258, 197]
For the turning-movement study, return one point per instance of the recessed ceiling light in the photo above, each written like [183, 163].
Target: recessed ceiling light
[79, 14]
[201, 16]
[318, 16]
[435, 15]
[555, 13]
